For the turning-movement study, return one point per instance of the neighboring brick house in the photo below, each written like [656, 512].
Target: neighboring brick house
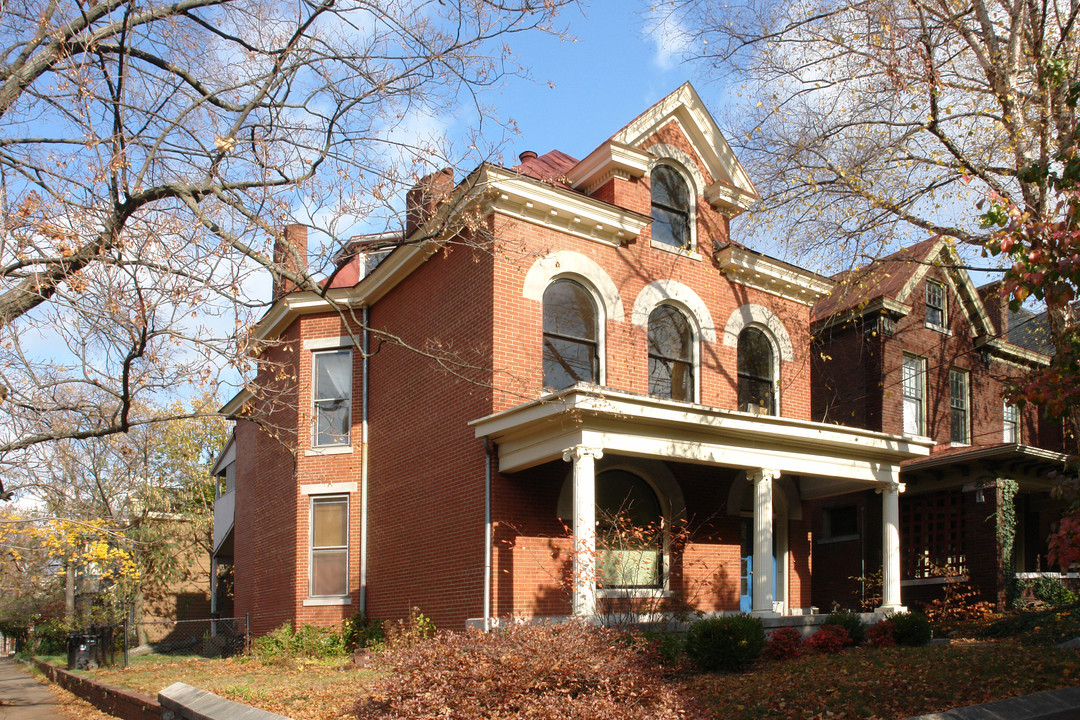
[454, 424]
[907, 345]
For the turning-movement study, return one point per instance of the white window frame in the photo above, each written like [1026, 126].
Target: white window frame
[690, 250]
[915, 396]
[1010, 422]
[933, 287]
[312, 549]
[346, 441]
[960, 380]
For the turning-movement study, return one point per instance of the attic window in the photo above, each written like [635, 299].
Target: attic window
[670, 207]
[935, 304]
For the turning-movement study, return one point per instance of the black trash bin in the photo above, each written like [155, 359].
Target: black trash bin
[83, 651]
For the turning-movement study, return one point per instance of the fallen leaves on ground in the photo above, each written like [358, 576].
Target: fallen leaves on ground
[886, 683]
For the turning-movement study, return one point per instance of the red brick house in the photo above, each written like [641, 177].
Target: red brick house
[560, 352]
[908, 345]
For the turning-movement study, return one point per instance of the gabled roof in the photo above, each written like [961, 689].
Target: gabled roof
[888, 283]
[731, 189]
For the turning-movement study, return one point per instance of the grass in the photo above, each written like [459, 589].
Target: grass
[303, 691]
[860, 683]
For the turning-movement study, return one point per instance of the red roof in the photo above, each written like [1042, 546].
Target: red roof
[550, 167]
[883, 278]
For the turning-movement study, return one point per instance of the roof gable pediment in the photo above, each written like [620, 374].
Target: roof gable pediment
[632, 150]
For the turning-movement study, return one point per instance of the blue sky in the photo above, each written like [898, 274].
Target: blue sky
[612, 71]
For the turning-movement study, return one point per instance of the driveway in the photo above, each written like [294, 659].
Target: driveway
[22, 697]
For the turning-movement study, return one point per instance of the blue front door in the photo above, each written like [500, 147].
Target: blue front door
[746, 569]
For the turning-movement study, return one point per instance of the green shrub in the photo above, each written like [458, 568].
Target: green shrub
[568, 671]
[856, 628]
[667, 645]
[284, 645]
[360, 631]
[1052, 591]
[50, 637]
[910, 628]
[725, 643]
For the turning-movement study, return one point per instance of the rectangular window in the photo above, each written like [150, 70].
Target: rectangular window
[958, 405]
[912, 385]
[935, 304]
[1011, 417]
[332, 394]
[840, 522]
[329, 546]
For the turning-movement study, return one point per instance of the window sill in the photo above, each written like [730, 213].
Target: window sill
[938, 328]
[330, 450]
[324, 601]
[837, 539]
[959, 444]
[936, 580]
[691, 254]
[616, 593]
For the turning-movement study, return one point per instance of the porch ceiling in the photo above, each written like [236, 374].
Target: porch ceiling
[629, 424]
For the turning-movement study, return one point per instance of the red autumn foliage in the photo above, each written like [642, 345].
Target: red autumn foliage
[830, 639]
[785, 644]
[543, 672]
[882, 634]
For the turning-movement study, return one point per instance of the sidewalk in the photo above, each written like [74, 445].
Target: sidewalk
[22, 697]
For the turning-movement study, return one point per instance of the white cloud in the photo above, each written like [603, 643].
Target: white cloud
[668, 35]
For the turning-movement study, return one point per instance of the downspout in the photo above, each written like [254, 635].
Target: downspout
[489, 452]
[364, 462]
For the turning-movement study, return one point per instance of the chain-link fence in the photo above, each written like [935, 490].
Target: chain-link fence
[209, 638]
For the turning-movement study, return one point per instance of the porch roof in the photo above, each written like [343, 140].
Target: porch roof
[637, 425]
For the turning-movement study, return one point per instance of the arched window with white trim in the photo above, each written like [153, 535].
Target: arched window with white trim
[630, 532]
[756, 372]
[671, 354]
[671, 207]
[571, 336]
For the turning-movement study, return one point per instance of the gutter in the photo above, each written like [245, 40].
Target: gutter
[364, 462]
[489, 458]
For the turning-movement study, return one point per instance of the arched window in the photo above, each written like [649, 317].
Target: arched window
[757, 391]
[629, 532]
[570, 336]
[670, 207]
[671, 354]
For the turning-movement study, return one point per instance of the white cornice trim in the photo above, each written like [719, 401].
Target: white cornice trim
[686, 106]
[772, 276]
[876, 306]
[232, 408]
[608, 160]
[564, 210]
[729, 200]
[626, 423]
[1008, 351]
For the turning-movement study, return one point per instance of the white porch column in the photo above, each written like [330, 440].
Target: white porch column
[762, 594]
[890, 564]
[583, 603]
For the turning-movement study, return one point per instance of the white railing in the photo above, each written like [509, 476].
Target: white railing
[224, 511]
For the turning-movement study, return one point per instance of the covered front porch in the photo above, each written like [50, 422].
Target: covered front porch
[769, 467]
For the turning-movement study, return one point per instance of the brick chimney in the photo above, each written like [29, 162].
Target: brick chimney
[996, 307]
[290, 253]
[425, 197]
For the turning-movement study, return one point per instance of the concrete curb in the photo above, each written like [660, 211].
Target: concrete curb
[184, 702]
[1061, 704]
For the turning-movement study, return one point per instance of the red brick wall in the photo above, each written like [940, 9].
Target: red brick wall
[265, 569]
[114, 701]
[426, 466]
[856, 377]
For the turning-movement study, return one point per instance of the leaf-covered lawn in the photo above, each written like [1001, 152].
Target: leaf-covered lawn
[858, 683]
[304, 691]
[887, 683]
